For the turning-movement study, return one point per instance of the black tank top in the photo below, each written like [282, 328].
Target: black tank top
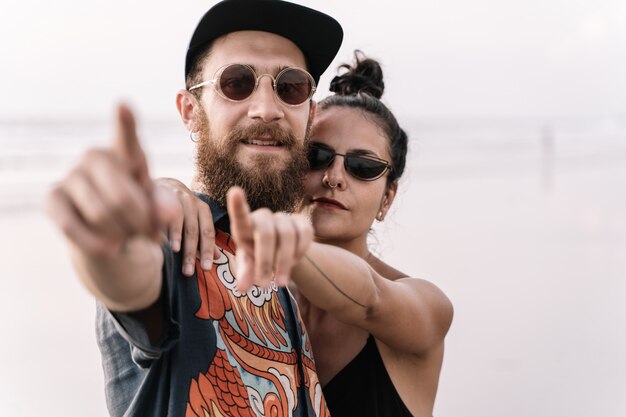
[363, 388]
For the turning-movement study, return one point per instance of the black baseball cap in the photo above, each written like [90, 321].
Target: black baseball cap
[318, 35]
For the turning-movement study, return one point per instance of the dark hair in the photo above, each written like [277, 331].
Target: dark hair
[361, 87]
[195, 69]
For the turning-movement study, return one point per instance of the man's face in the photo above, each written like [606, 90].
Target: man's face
[257, 143]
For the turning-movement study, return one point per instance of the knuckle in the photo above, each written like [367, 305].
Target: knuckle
[120, 205]
[98, 216]
[263, 212]
[208, 233]
[120, 201]
[263, 234]
[191, 230]
[265, 267]
[285, 230]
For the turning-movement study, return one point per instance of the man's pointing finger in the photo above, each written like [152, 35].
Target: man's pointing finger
[127, 147]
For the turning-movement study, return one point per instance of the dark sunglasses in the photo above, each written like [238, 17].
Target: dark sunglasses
[362, 167]
[237, 82]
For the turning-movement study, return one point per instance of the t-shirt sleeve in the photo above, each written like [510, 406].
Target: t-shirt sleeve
[133, 330]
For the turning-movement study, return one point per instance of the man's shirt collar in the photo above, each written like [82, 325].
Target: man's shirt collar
[219, 213]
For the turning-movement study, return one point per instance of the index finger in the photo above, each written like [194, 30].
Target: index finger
[127, 147]
[240, 219]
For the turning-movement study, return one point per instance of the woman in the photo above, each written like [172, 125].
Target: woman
[377, 334]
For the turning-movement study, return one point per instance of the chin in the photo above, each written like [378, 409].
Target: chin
[263, 162]
[326, 226]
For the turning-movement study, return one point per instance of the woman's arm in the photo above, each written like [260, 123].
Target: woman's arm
[407, 314]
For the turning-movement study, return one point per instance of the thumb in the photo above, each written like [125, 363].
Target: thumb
[127, 147]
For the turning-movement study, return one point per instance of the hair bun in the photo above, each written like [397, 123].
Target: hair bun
[365, 76]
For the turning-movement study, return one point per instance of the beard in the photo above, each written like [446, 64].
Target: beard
[267, 182]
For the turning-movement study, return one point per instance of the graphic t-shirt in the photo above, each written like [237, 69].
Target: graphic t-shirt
[224, 353]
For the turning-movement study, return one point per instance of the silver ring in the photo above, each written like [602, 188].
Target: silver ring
[333, 185]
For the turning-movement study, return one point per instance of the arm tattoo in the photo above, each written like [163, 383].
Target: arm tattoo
[327, 278]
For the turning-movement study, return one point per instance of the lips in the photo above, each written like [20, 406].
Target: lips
[330, 202]
[262, 142]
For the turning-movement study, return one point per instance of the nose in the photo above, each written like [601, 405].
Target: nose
[264, 104]
[335, 174]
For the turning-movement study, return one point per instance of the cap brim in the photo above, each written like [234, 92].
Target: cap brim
[318, 35]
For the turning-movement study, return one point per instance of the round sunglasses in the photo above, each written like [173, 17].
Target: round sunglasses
[237, 82]
[362, 167]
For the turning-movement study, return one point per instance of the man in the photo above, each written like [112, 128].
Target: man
[211, 345]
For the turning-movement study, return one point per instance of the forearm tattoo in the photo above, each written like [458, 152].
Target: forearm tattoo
[330, 281]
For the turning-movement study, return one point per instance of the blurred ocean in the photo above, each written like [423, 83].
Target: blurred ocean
[35, 154]
[522, 222]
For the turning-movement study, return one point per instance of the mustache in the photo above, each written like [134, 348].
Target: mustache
[283, 136]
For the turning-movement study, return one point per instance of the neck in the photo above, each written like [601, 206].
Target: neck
[357, 246]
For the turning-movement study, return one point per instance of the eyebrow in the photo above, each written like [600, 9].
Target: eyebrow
[364, 152]
[280, 68]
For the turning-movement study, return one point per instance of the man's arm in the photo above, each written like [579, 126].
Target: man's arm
[129, 281]
[111, 217]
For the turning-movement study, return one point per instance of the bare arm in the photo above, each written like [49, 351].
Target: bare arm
[409, 314]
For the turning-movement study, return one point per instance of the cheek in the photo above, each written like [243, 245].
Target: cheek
[298, 120]
[369, 203]
[223, 116]
[312, 182]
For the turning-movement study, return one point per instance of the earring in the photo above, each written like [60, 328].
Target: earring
[380, 216]
[192, 137]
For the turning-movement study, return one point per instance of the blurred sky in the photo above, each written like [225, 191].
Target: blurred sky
[447, 58]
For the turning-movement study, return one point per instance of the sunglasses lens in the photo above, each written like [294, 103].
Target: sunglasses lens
[364, 168]
[319, 157]
[237, 82]
[294, 86]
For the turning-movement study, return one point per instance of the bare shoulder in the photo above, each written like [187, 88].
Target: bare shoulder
[431, 295]
[414, 313]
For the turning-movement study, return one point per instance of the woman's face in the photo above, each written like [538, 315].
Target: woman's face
[346, 212]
